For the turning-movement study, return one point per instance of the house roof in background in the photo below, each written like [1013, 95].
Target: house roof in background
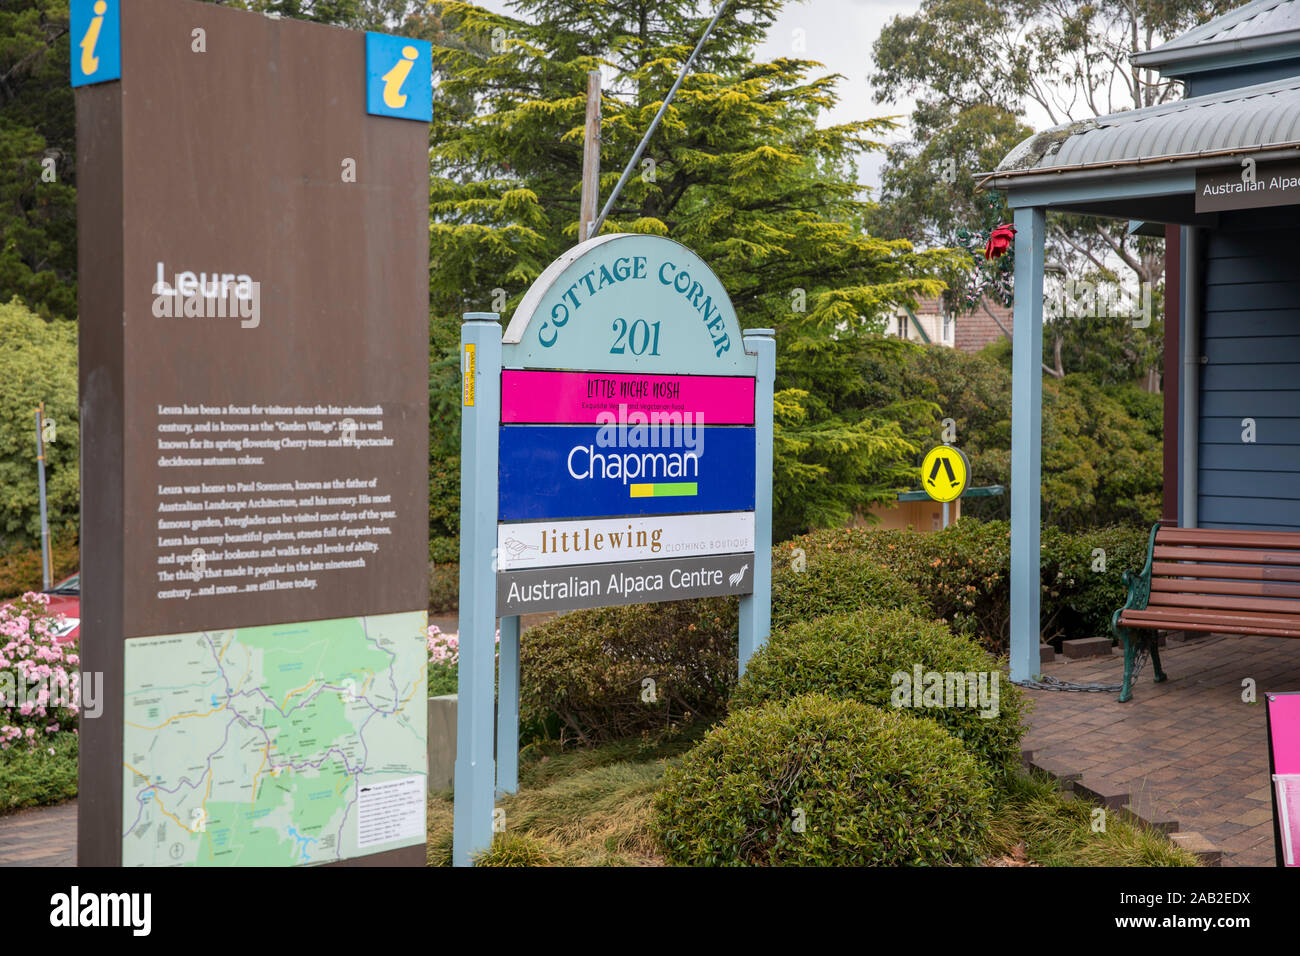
[1259, 30]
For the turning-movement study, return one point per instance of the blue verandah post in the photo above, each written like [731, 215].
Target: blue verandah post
[1026, 443]
[756, 608]
[480, 338]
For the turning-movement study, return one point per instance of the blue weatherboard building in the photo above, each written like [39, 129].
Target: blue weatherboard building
[1217, 174]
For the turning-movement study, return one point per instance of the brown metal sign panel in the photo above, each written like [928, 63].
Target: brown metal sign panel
[254, 386]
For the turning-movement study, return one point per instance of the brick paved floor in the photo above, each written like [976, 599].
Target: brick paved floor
[45, 836]
[1190, 745]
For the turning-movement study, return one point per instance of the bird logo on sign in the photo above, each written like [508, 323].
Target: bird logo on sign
[945, 473]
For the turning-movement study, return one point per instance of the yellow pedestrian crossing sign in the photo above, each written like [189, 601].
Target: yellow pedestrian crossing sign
[945, 473]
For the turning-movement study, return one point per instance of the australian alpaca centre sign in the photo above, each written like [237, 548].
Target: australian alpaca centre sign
[616, 449]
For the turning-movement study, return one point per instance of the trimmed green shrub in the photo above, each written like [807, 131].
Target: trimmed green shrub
[867, 787]
[807, 585]
[589, 668]
[855, 657]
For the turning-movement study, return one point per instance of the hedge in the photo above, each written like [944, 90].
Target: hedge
[821, 782]
[963, 573]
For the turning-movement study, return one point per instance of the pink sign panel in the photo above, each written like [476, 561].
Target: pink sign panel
[579, 398]
[1284, 743]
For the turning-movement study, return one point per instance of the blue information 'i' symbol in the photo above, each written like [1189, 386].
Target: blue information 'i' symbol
[95, 31]
[399, 77]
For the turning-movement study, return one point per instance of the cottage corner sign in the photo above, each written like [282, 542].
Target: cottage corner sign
[616, 449]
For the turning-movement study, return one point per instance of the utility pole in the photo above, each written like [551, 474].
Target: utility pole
[654, 123]
[47, 567]
[590, 159]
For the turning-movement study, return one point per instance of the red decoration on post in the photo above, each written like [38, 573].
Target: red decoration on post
[999, 241]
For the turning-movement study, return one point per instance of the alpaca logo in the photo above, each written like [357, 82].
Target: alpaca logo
[739, 576]
[399, 77]
[95, 28]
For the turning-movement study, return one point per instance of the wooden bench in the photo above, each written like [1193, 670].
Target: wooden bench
[1199, 579]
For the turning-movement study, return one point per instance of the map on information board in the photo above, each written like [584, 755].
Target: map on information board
[280, 745]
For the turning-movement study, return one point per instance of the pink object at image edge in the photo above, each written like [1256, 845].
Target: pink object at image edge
[545, 397]
[1284, 728]
[1284, 734]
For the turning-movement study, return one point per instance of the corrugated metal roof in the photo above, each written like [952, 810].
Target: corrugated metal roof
[1255, 25]
[1250, 118]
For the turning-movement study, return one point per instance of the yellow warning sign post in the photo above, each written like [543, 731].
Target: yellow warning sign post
[945, 473]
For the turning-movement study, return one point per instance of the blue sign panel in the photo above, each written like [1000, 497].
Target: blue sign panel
[578, 471]
[399, 77]
[95, 28]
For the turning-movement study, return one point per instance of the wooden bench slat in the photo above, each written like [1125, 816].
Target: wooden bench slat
[1220, 626]
[1244, 556]
[1247, 571]
[1221, 537]
[1279, 589]
[1276, 606]
[1236, 622]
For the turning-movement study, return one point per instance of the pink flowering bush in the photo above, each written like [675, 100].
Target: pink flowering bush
[443, 648]
[444, 660]
[39, 679]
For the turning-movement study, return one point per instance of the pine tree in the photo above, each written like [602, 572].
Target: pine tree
[738, 171]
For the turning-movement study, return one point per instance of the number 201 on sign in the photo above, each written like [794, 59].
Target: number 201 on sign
[635, 338]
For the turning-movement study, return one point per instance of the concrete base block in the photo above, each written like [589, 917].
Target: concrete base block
[1058, 771]
[1141, 810]
[442, 742]
[1086, 647]
[1046, 653]
[1206, 852]
[1112, 796]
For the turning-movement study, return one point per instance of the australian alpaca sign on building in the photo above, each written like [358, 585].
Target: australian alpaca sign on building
[627, 423]
[254, 414]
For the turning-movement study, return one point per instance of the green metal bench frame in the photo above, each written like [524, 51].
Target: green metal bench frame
[1139, 594]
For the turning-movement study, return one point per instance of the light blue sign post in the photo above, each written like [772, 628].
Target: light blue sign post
[636, 467]
[480, 338]
[756, 608]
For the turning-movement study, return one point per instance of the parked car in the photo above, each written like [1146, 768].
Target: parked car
[65, 599]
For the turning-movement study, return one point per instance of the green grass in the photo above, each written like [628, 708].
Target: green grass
[36, 778]
[592, 808]
[1037, 822]
[577, 808]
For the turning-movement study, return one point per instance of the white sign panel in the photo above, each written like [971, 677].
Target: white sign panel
[549, 544]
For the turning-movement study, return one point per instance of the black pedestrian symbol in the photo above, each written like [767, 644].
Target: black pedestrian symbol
[947, 467]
